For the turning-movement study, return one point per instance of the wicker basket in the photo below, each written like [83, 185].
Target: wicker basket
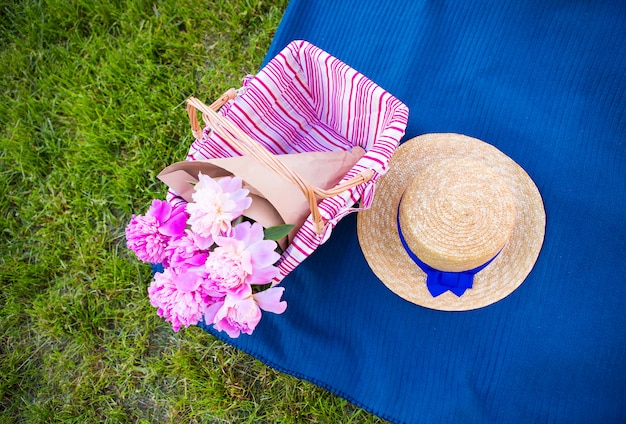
[304, 100]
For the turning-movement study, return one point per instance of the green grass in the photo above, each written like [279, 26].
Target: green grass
[92, 109]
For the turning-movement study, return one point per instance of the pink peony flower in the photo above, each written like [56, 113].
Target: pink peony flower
[269, 300]
[188, 250]
[216, 203]
[226, 270]
[240, 260]
[180, 299]
[234, 315]
[149, 235]
[241, 315]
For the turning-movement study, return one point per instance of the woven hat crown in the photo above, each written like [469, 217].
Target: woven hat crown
[456, 214]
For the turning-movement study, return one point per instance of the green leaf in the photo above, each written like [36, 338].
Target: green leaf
[277, 232]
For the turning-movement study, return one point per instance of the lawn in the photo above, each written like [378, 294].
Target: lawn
[93, 107]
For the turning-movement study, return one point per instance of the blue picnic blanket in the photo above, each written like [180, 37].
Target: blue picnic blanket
[545, 82]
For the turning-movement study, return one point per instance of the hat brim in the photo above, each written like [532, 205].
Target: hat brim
[380, 243]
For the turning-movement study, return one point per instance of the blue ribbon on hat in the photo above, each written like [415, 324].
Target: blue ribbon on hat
[438, 282]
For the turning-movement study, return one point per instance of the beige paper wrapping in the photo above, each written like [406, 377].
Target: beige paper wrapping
[275, 200]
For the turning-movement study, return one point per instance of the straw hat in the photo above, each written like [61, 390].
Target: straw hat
[459, 209]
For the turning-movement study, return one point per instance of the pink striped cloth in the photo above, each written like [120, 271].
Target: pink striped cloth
[305, 100]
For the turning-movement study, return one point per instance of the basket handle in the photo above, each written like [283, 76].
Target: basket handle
[246, 145]
[216, 105]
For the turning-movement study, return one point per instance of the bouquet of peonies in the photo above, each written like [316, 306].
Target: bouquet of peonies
[218, 267]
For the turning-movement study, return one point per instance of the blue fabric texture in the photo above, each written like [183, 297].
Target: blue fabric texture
[545, 82]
